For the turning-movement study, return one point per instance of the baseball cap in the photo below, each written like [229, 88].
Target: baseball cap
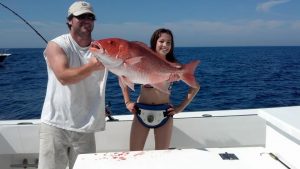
[80, 7]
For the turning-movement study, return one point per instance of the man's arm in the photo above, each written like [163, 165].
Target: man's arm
[58, 62]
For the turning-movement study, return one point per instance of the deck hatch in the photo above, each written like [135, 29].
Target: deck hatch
[228, 156]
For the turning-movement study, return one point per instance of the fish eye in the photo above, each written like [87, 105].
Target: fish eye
[111, 42]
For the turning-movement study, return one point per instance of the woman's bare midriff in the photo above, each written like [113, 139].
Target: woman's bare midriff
[152, 96]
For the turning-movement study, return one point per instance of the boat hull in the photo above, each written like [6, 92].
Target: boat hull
[3, 56]
[209, 130]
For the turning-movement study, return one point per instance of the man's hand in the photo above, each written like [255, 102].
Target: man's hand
[96, 64]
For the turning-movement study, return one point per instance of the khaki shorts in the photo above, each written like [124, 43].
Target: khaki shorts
[59, 148]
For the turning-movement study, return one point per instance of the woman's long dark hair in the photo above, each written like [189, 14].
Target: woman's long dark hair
[170, 56]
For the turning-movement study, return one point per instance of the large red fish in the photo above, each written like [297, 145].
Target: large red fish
[134, 62]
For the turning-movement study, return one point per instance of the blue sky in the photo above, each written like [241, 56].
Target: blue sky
[197, 23]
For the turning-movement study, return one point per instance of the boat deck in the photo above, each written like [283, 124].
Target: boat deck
[212, 158]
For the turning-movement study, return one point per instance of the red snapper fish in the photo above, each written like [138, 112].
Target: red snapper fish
[134, 62]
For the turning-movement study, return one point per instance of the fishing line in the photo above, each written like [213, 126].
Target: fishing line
[24, 21]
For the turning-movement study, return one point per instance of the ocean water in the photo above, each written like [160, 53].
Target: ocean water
[230, 78]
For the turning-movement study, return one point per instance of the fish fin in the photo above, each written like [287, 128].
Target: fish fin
[124, 82]
[141, 43]
[176, 65]
[188, 74]
[161, 87]
[133, 61]
[121, 84]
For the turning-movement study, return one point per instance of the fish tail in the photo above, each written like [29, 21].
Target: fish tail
[188, 74]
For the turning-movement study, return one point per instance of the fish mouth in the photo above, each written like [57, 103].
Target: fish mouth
[95, 46]
[97, 50]
[102, 55]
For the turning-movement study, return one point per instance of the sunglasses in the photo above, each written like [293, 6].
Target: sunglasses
[86, 17]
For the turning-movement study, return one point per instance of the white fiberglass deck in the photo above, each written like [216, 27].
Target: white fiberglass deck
[248, 158]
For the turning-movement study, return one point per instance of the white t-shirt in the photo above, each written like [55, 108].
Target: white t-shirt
[77, 107]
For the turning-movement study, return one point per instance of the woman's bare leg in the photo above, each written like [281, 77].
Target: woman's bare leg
[138, 135]
[163, 135]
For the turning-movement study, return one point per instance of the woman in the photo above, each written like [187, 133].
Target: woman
[161, 42]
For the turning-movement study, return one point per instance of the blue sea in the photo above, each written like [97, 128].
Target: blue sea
[230, 78]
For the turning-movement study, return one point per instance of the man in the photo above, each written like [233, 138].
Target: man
[74, 106]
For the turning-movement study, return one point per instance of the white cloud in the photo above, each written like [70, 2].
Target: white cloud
[266, 6]
[187, 33]
[198, 33]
